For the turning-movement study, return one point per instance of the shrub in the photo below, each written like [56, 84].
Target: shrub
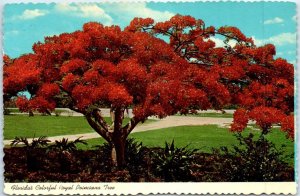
[6, 111]
[100, 159]
[254, 160]
[63, 151]
[35, 143]
[32, 150]
[65, 145]
[136, 160]
[173, 164]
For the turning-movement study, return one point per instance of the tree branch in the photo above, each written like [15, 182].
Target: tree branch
[119, 113]
[71, 105]
[98, 129]
[97, 115]
[130, 125]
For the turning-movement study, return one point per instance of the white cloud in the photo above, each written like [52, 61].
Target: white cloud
[275, 20]
[140, 9]
[278, 40]
[258, 42]
[85, 11]
[103, 12]
[293, 62]
[220, 43]
[30, 14]
[283, 39]
[65, 7]
[291, 52]
[13, 32]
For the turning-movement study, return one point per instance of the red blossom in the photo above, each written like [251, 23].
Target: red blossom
[204, 45]
[91, 77]
[23, 104]
[82, 96]
[104, 66]
[232, 32]
[119, 97]
[137, 23]
[210, 30]
[48, 90]
[182, 21]
[265, 117]
[287, 125]
[42, 105]
[73, 65]
[69, 81]
[240, 120]
[21, 73]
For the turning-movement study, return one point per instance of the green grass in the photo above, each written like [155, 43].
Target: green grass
[14, 110]
[212, 115]
[25, 126]
[203, 138]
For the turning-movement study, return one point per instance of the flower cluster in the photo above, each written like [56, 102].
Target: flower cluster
[138, 23]
[23, 104]
[232, 32]
[240, 120]
[287, 125]
[48, 90]
[73, 65]
[265, 117]
[107, 66]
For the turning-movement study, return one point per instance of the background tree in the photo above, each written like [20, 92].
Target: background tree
[101, 66]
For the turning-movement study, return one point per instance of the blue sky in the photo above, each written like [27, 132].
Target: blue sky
[266, 22]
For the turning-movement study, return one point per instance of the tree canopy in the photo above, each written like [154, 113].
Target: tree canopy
[158, 69]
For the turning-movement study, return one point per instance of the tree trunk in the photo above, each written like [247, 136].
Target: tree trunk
[266, 129]
[118, 153]
[118, 139]
[115, 134]
[30, 113]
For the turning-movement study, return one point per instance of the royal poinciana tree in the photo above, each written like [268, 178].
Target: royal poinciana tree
[158, 69]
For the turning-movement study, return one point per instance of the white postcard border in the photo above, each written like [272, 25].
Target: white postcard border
[244, 188]
[151, 188]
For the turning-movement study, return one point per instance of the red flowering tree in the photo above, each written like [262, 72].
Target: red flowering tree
[101, 66]
[262, 86]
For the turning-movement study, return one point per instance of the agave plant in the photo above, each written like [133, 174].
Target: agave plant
[20, 140]
[35, 143]
[174, 163]
[32, 150]
[65, 145]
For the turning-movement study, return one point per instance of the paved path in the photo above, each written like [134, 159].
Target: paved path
[170, 121]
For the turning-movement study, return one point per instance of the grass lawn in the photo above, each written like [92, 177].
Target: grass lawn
[212, 115]
[203, 138]
[25, 126]
[14, 110]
